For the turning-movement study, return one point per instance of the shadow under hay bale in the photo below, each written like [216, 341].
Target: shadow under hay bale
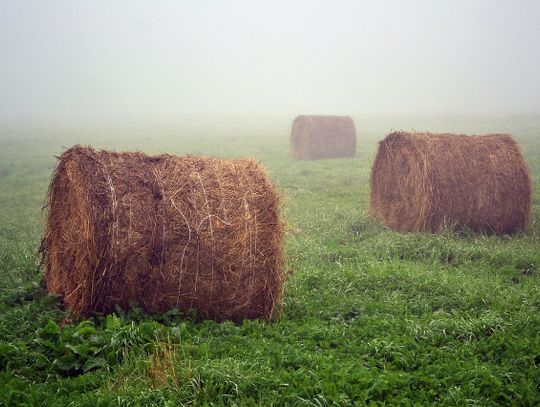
[163, 232]
[426, 182]
[316, 137]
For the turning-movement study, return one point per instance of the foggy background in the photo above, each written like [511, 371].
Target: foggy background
[81, 62]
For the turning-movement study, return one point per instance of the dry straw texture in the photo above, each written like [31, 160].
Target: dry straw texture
[163, 232]
[426, 182]
[315, 137]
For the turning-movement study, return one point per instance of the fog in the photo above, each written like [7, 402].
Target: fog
[144, 62]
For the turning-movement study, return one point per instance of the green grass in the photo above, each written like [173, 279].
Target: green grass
[370, 316]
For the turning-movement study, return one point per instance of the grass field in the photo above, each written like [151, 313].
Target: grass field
[370, 315]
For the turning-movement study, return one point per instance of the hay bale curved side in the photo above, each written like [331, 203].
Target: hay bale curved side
[163, 232]
[426, 182]
[316, 137]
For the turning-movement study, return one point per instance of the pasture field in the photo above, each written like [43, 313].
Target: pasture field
[370, 316]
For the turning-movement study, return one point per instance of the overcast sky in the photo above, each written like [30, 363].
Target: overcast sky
[137, 60]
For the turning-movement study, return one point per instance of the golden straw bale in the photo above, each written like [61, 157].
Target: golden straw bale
[426, 182]
[163, 232]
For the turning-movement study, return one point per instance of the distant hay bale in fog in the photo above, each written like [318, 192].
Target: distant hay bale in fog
[425, 182]
[315, 137]
[163, 232]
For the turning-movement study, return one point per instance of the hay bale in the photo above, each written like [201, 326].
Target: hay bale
[163, 232]
[315, 137]
[426, 182]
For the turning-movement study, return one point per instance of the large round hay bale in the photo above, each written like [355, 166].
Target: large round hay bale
[163, 232]
[426, 182]
[315, 137]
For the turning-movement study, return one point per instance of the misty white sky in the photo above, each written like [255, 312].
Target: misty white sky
[137, 60]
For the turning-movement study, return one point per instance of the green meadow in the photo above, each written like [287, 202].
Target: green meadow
[370, 316]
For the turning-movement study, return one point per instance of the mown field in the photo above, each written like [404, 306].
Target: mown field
[369, 316]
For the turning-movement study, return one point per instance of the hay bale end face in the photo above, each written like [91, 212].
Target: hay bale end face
[163, 232]
[316, 137]
[426, 182]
